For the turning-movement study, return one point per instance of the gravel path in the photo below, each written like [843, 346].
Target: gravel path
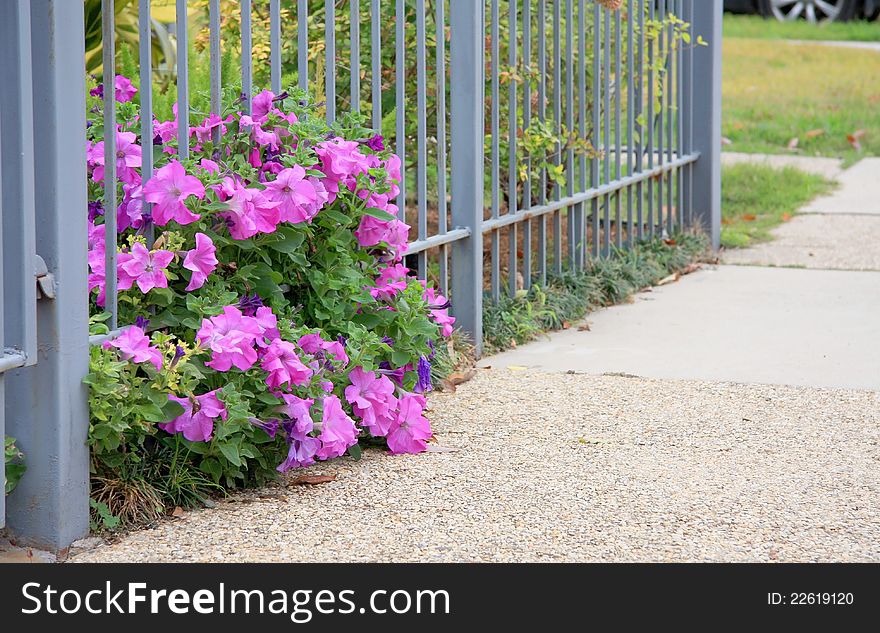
[562, 467]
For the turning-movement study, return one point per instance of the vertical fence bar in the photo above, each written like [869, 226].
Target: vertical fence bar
[661, 116]
[569, 123]
[422, 141]
[512, 242]
[183, 81]
[275, 45]
[247, 64]
[18, 188]
[542, 117]
[466, 59]
[330, 60]
[581, 253]
[679, 118]
[687, 116]
[302, 44]
[557, 125]
[606, 131]
[670, 111]
[108, 29]
[649, 121]
[442, 210]
[630, 119]
[707, 118]
[355, 55]
[642, 128]
[216, 64]
[597, 141]
[376, 63]
[618, 90]
[145, 62]
[527, 158]
[400, 98]
[495, 51]
[47, 404]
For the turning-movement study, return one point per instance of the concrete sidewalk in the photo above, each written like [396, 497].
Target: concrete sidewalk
[730, 323]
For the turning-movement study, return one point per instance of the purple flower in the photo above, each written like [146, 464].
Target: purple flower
[388, 341]
[96, 208]
[97, 91]
[142, 322]
[196, 423]
[249, 304]
[269, 426]
[423, 369]
[133, 344]
[376, 143]
[303, 447]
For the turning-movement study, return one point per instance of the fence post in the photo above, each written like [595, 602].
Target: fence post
[47, 404]
[466, 162]
[707, 117]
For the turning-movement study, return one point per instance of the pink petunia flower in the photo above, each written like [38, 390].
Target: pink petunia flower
[392, 279]
[249, 211]
[147, 268]
[128, 158]
[284, 366]
[303, 447]
[338, 431]
[125, 90]
[196, 423]
[298, 197]
[201, 261]
[372, 400]
[168, 189]
[134, 344]
[203, 131]
[341, 161]
[268, 323]
[230, 337]
[261, 104]
[438, 306]
[411, 430]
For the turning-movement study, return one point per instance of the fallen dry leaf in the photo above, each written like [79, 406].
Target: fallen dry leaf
[854, 139]
[178, 512]
[793, 143]
[748, 217]
[453, 380]
[670, 242]
[691, 268]
[584, 328]
[313, 480]
[566, 325]
[669, 279]
[786, 217]
[814, 133]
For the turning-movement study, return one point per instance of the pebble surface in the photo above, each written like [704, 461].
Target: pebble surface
[570, 467]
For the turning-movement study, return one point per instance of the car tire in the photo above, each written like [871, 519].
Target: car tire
[770, 9]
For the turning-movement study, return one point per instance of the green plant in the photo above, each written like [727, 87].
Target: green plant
[100, 517]
[567, 297]
[15, 466]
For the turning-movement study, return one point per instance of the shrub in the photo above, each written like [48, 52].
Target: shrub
[272, 323]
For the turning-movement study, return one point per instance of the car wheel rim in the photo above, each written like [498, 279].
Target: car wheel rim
[810, 10]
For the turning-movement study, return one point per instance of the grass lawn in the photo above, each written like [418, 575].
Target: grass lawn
[776, 91]
[753, 26]
[756, 198]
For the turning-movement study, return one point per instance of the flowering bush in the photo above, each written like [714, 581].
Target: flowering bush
[273, 322]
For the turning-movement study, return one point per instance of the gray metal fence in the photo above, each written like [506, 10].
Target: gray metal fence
[571, 130]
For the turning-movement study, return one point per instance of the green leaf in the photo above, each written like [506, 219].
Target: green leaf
[212, 467]
[171, 410]
[355, 451]
[230, 452]
[379, 214]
